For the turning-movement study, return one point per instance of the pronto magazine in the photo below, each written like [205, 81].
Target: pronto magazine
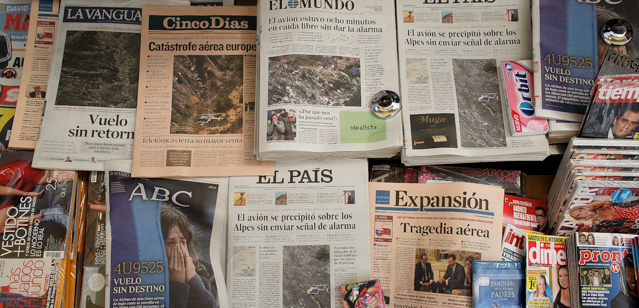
[605, 266]
[166, 240]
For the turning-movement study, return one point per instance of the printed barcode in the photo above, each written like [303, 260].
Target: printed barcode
[53, 254]
[94, 176]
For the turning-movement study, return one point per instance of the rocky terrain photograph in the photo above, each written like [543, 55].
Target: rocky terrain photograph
[314, 80]
[481, 119]
[207, 94]
[306, 276]
[99, 69]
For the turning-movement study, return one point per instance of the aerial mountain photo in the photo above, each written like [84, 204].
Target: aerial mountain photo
[306, 276]
[481, 119]
[100, 69]
[207, 94]
[314, 80]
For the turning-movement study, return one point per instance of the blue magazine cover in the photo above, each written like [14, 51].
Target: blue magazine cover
[606, 270]
[160, 234]
[568, 51]
[499, 284]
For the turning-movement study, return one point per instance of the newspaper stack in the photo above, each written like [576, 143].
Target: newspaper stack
[318, 70]
[590, 163]
[453, 111]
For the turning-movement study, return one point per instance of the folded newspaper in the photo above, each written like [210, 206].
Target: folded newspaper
[425, 237]
[297, 236]
[196, 100]
[449, 56]
[319, 66]
[166, 241]
[91, 96]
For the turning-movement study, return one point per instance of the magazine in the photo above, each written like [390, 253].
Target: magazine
[614, 111]
[513, 247]
[449, 55]
[320, 64]
[93, 277]
[196, 107]
[89, 116]
[36, 66]
[166, 241]
[425, 237]
[525, 213]
[604, 263]
[546, 271]
[600, 206]
[499, 284]
[37, 210]
[13, 41]
[568, 50]
[297, 236]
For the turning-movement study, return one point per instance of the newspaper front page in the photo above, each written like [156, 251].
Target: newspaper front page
[196, 103]
[320, 65]
[166, 239]
[297, 236]
[448, 60]
[89, 114]
[425, 237]
[36, 66]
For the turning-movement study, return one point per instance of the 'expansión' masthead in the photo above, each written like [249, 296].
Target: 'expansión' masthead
[466, 200]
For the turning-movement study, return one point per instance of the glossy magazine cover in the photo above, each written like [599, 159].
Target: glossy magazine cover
[36, 208]
[545, 269]
[160, 234]
[606, 270]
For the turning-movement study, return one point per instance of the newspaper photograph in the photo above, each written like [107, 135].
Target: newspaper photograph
[425, 237]
[320, 65]
[448, 61]
[35, 68]
[166, 241]
[89, 114]
[196, 103]
[297, 236]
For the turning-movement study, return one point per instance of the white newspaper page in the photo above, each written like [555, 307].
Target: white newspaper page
[425, 237]
[320, 64]
[196, 103]
[448, 55]
[297, 236]
[36, 66]
[92, 92]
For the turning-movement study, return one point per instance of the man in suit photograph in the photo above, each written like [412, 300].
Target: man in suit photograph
[423, 275]
[455, 275]
[37, 93]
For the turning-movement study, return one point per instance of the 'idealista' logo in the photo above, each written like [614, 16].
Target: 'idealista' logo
[311, 4]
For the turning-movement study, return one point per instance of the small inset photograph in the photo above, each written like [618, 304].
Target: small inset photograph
[249, 106]
[306, 276]
[447, 17]
[596, 276]
[203, 103]
[435, 130]
[244, 261]
[349, 197]
[36, 91]
[444, 271]
[481, 120]
[416, 71]
[45, 31]
[239, 198]
[314, 80]
[512, 14]
[281, 125]
[281, 198]
[408, 16]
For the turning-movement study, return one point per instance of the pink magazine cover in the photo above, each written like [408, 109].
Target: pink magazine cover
[517, 82]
